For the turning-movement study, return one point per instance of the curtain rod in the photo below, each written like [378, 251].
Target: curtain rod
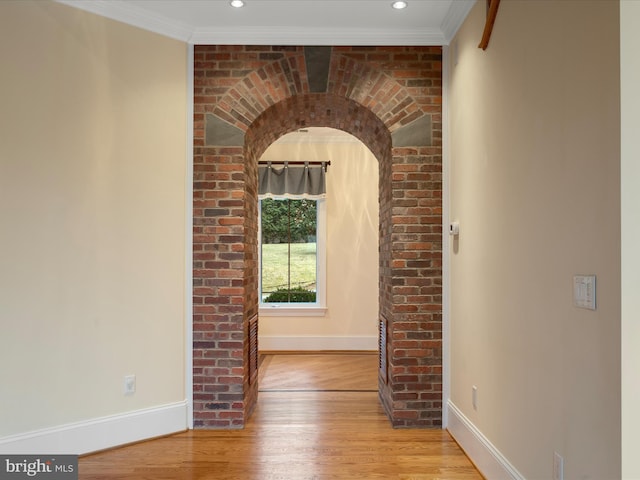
[295, 162]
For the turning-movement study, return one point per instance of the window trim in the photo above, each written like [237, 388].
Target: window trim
[319, 307]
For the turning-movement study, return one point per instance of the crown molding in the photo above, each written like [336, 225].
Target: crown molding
[456, 15]
[315, 36]
[123, 12]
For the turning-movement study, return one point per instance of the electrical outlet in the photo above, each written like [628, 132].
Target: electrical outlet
[558, 466]
[129, 384]
[474, 397]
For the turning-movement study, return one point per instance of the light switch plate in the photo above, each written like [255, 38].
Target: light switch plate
[584, 291]
[129, 386]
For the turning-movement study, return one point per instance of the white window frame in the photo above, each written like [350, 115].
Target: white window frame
[319, 307]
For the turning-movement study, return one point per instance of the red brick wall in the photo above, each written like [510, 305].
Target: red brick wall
[263, 92]
[415, 312]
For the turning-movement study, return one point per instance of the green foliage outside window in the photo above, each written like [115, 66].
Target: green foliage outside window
[288, 270]
[281, 218]
[292, 295]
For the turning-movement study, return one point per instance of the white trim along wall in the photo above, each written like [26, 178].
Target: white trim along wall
[317, 343]
[100, 433]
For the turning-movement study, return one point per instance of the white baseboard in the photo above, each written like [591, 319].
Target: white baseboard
[99, 433]
[491, 463]
[302, 343]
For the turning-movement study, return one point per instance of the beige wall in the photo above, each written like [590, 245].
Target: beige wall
[352, 249]
[630, 101]
[535, 185]
[92, 215]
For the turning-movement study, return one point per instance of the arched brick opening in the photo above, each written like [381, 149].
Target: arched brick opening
[246, 98]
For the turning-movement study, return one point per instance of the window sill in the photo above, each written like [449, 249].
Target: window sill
[287, 311]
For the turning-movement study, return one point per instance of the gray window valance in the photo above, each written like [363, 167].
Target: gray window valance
[306, 180]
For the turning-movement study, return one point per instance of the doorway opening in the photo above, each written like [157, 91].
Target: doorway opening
[338, 263]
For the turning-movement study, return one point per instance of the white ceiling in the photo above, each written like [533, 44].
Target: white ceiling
[317, 135]
[290, 22]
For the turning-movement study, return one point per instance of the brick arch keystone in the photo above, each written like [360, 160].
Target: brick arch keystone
[365, 83]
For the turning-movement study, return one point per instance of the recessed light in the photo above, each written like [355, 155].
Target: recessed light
[236, 3]
[399, 5]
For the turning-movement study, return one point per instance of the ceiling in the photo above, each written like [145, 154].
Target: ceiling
[290, 22]
[317, 135]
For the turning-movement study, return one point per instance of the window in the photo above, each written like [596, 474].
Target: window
[292, 257]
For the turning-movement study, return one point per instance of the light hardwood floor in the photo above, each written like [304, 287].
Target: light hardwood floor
[312, 422]
[319, 371]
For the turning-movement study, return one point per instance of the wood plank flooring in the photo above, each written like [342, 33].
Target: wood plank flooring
[314, 428]
[324, 372]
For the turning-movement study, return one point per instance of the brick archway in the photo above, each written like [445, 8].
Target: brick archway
[246, 98]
